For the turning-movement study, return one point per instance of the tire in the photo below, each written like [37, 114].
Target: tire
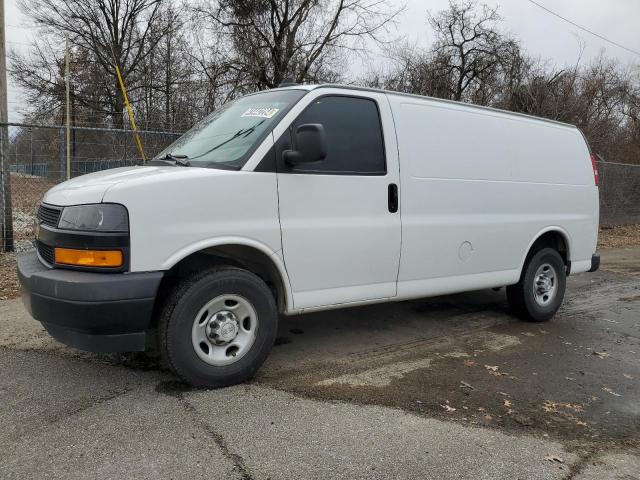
[545, 270]
[197, 324]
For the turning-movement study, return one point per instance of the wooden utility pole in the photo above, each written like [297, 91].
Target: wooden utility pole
[68, 104]
[6, 220]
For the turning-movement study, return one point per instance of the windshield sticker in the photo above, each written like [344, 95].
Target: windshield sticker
[261, 112]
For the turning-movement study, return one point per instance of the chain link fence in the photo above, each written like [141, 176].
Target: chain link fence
[36, 158]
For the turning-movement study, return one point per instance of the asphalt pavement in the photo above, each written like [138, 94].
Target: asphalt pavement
[442, 388]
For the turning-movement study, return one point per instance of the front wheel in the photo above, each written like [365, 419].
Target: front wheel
[218, 327]
[540, 291]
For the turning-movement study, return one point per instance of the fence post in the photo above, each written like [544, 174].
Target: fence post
[61, 154]
[6, 222]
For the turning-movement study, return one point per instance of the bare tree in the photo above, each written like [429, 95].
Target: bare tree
[470, 48]
[413, 71]
[470, 59]
[305, 39]
[109, 31]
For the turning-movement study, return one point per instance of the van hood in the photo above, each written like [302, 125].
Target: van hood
[92, 188]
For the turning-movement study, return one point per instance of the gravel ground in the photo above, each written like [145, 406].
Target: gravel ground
[9, 287]
[619, 237]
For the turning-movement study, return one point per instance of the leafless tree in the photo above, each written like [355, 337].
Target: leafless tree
[412, 70]
[470, 59]
[107, 31]
[471, 48]
[304, 39]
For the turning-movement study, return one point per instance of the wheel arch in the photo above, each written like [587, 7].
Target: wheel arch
[245, 253]
[554, 237]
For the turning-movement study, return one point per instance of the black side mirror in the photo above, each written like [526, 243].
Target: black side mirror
[310, 145]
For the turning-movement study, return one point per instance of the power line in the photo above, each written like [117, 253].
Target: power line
[636, 52]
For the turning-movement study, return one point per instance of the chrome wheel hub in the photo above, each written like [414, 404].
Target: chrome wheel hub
[545, 284]
[222, 327]
[224, 330]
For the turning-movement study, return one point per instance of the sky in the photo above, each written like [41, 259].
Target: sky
[544, 35]
[540, 33]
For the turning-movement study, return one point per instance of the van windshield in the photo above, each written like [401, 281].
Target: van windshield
[227, 137]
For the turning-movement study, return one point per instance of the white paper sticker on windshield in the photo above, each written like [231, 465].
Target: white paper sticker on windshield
[261, 112]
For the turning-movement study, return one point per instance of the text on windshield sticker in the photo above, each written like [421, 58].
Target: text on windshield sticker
[261, 112]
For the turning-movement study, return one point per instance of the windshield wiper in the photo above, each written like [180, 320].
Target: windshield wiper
[181, 160]
[244, 132]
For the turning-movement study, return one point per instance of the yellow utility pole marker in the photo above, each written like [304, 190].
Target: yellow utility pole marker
[130, 112]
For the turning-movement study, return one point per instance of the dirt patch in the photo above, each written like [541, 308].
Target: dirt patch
[9, 285]
[619, 237]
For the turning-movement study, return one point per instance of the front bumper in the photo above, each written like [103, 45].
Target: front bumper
[98, 312]
[595, 263]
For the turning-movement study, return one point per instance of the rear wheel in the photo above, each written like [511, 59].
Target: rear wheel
[218, 327]
[540, 291]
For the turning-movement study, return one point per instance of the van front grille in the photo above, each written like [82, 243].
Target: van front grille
[49, 216]
[46, 252]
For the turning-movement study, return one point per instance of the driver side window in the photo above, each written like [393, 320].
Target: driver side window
[355, 145]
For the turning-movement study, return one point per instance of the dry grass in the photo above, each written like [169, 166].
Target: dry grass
[9, 286]
[622, 236]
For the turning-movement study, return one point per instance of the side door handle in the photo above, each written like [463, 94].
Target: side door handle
[392, 197]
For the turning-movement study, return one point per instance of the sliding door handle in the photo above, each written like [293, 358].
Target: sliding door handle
[392, 197]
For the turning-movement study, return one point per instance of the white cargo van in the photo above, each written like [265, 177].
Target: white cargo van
[308, 198]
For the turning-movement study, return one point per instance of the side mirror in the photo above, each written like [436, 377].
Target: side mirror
[310, 145]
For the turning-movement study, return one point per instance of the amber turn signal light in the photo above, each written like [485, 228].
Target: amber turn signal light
[88, 258]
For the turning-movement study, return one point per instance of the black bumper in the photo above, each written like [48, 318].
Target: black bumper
[98, 312]
[595, 263]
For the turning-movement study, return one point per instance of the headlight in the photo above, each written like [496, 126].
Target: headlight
[99, 217]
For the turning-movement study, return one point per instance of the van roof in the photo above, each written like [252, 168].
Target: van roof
[413, 95]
